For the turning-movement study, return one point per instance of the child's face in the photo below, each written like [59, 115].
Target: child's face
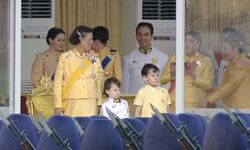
[114, 92]
[152, 78]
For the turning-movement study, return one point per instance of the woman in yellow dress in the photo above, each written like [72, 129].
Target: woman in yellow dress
[43, 68]
[234, 89]
[198, 72]
[79, 77]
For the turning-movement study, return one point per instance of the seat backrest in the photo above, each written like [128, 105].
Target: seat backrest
[98, 117]
[144, 120]
[23, 123]
[159, 137]
[65, 128]
[222, 134]
[1, 124]
[138, 125]
[101, 135]
[193, 124]
[83, 121]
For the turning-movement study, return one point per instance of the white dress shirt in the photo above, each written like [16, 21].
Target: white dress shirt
[132, 65]
[121, 108]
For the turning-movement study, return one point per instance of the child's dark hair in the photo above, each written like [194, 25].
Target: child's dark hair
[109, 82]
[147, 67]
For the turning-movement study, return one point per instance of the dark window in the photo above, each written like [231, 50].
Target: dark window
[36, 9]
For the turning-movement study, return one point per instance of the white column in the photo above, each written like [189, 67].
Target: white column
[15, 55]
[180, 31]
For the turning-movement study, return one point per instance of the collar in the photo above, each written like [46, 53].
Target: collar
[115, 100]
[145, 50]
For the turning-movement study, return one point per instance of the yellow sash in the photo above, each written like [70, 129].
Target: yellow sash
[75, 75]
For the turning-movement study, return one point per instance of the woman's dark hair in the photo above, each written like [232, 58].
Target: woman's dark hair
[109, 82]
[146, 24]
[147, 67]
[52, 33]
[79, 31]
[101, 33]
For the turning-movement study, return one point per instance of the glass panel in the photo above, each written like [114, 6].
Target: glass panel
[4, 52]
[223, 27]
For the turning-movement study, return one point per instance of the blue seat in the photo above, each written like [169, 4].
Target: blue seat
[159, 137]
[194, 125]
[66, 129]
[245, 118]
[9, 141]
[98, 117]
[222, 134]
[83, 121]
[101, 135]
[138, 125]
[144, 119]
[1, 124]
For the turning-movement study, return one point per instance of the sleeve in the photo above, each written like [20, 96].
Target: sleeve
[166, 73]
[37, 70]
[58, 82]
[228, 86]
[167, 97]
[118, 67]
[99, 81]
[103, 109]
[125, 75]
[205, 79]
[139, 98]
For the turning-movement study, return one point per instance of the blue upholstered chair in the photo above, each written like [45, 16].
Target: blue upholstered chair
[66, 129]
[83, 121]
[221, 134]
[194, 125]
[101, 135]
[159, 137]
[98, 117]
[23, 123]
[144, 120]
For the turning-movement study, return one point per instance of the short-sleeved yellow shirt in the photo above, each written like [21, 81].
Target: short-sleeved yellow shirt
[158, 97]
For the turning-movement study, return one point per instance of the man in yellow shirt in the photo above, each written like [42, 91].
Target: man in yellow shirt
[110, 58]
[234, 89]
[198, 72]
[151, 93]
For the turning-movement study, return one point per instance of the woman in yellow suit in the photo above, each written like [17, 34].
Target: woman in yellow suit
[79, 77]
[235, 87]
[198, 72]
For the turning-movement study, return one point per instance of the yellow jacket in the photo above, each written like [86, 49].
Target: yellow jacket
[114, 67]
[89, 84]
[235, 87]
[45, 63]
[196, 89]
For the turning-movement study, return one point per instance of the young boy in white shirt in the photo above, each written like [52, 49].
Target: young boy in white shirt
[114, 103]
[151, 93]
